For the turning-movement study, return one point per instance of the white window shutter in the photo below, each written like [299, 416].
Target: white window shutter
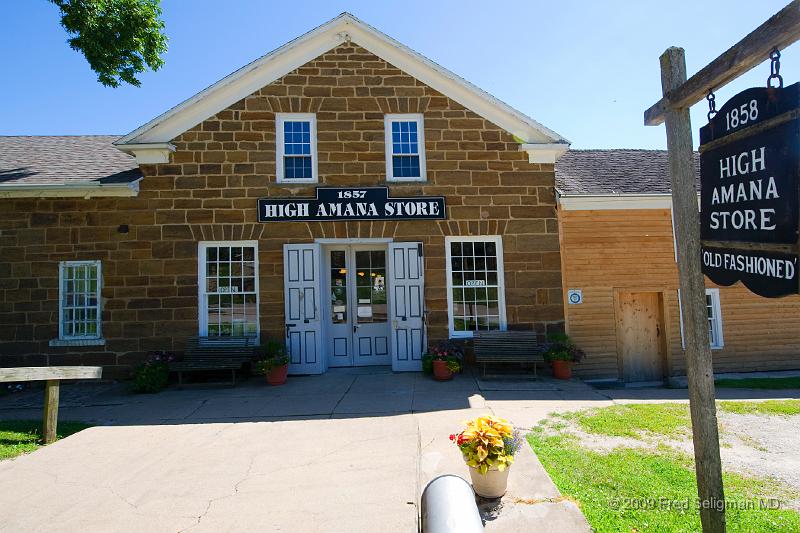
[407, 305]
[303, 321]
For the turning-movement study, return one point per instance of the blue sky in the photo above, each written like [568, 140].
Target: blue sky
[584, 69]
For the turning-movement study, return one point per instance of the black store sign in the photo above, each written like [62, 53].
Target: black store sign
[749, 199]
[365, 203]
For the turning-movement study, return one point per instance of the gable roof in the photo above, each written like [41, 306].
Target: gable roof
[86, 164]
[616, 172]
[305, 48]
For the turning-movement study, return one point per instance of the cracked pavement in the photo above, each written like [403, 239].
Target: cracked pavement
[348, 451]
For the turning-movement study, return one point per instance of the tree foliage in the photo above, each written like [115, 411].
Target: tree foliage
[119, 38]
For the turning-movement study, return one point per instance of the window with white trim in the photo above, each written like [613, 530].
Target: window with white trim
[714, 318]
[405, 147]
[713, 315]
[475, 286]
[296, 147]
[79, 284]
[228, 282]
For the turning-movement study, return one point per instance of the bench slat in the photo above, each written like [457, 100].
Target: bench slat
[507, 347]
[210, 353]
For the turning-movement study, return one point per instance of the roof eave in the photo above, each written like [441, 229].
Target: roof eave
[147, 153]
[607, 202]
[84, 190]
[544, 152]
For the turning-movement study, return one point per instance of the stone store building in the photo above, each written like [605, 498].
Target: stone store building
[342, 193]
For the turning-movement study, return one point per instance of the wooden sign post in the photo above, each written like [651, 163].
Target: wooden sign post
[679, 94]
[699, 368]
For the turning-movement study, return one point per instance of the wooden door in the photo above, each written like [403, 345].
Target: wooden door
[640, 336]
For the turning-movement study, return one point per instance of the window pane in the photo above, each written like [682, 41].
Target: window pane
[230, 291]
[406, 166]
[475, 295]
[371, 287]
[297, 150]
[339, 301]
[296, 167]
[80, 290]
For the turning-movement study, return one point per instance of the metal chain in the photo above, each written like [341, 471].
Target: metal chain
[712, 105]
[775, 69]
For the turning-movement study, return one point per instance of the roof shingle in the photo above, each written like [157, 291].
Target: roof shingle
[589, 172]
[64, 160]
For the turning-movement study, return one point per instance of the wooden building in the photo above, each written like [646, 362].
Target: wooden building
[618, 253]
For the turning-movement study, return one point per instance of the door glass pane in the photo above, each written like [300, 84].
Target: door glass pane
[338, 287]
[370, 271]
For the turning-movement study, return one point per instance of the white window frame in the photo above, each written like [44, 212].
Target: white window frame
[62, 266]
[717, 310]
[387, 127]
[202, 304]
[716, 319]
[280, 148]
[501, 281]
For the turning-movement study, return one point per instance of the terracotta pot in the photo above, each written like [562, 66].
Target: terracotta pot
[492, 484]
[440, 371]
[562, 369]
[277, 375]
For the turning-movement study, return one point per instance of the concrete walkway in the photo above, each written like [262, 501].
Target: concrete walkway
[347, 451]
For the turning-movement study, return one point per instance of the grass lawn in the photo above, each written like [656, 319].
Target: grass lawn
[767, 407]
[759, 383]
[23, 436]
[650, 488]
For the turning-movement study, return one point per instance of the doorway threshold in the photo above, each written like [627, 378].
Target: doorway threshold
[360, 370]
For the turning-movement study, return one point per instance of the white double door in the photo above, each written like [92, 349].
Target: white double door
[356, 316]
[349, 304]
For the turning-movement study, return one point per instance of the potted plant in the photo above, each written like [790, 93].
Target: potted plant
[561, 352]
[488, 445]
[152, 375]
[274, 362]
[445, 360]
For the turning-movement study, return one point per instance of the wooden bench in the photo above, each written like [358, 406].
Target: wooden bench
[53, 376]
[214, 353]
[507, 347]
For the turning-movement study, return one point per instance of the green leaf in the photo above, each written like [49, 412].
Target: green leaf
[119, 38]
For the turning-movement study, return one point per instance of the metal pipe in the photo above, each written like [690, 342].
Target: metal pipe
[448, 506]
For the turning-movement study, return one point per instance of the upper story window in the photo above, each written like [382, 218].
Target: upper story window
[405, 147]
[296, 150]
[79, 300]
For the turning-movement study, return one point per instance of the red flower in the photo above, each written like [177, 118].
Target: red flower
[452, 437]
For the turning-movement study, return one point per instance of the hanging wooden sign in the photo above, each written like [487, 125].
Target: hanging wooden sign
[365, 203]
[750, 191]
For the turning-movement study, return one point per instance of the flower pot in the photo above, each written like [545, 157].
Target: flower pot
[562, 369]
[441, 372]
[492, 484]
[277, 375]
